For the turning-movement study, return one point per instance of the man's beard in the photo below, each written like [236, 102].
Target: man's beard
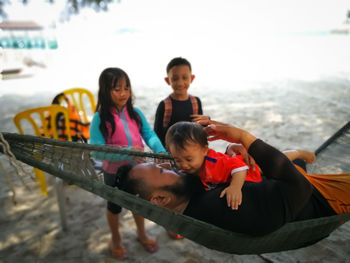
[189, 185]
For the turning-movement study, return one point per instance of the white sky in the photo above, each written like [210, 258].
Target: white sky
[199, 15]
[219, 37]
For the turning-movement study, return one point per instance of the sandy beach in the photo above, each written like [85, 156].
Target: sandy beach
[287, 114]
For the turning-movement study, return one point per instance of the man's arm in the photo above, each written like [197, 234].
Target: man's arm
[221, 131]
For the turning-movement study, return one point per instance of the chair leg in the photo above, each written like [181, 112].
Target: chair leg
[40, 176]
[61, 202]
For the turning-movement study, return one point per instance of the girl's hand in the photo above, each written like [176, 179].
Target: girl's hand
[136, 148]
[197, 118]
[233, 196]
[137, 159]
[159, 161]
[234, 148]
[166, 165]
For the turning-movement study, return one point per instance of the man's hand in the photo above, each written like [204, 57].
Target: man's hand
[197, 118]
[235, 148]
[221, 131]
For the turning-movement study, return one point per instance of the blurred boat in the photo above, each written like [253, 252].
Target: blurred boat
[23, 46]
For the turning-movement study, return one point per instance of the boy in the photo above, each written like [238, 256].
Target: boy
[188, 144]
[179, 105]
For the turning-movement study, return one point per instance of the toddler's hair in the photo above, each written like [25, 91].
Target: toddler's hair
[184, 132]
[179, 61]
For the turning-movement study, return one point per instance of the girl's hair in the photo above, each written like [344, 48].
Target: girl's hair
[109, 78]
[184, 132]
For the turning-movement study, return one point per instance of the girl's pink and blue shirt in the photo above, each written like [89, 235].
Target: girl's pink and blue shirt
[126, 135]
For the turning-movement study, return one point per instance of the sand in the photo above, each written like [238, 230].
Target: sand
[287, 114]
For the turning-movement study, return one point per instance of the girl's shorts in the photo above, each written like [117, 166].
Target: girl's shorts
[112, 180]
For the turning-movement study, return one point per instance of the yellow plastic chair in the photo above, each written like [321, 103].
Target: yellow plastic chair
[36, 118]
[83, 100]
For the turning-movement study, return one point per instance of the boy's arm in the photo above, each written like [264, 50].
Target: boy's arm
[234, 191]
[200, 110]
[158, 122]
[149, 136]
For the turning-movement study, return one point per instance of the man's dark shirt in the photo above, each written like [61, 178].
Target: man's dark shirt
[285, 195]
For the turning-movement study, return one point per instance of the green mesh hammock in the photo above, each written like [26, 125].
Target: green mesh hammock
[72, 162]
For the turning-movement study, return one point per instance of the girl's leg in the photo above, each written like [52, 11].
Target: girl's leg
[116, 247]
[307, 156]
[149, 243]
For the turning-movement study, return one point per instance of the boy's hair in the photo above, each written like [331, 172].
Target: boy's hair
[184, 132]
[179, 61]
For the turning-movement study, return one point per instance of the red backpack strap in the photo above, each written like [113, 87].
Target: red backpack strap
[194, 104]
[168, 108]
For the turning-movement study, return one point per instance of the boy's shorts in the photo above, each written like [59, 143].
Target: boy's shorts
[112, 180]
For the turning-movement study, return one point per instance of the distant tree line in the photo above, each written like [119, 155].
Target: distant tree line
[72, 7]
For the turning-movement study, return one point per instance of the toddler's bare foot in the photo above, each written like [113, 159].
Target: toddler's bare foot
[307, 156]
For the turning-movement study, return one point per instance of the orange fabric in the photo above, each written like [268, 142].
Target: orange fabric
[335, 188]
[79, 131]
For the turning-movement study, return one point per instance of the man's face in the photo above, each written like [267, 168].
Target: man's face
[154, 175]
[156, 178]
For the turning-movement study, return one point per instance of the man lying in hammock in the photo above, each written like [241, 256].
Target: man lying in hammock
[286, 194]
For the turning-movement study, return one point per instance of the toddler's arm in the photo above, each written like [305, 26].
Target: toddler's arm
[233, 191]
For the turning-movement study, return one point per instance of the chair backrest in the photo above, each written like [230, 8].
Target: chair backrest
[83, 100]
[41, 124]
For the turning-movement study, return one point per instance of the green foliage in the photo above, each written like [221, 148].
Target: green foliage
[73, 6]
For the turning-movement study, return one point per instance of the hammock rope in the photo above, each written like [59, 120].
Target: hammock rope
[72, 162]
[15, 164]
